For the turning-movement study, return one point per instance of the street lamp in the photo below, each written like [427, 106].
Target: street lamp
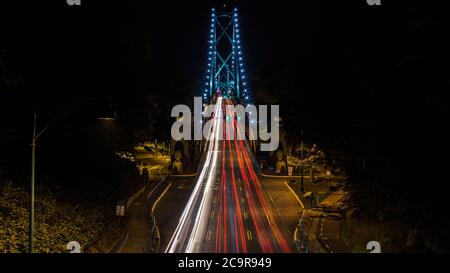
[302, 189]
[34, 139]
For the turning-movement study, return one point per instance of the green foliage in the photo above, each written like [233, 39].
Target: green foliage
[57, 221]
[391, 234]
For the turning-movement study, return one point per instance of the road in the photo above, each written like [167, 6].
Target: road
[329, 230]
[170, 207]
[156, 164]
[329, 235]
[228, 210]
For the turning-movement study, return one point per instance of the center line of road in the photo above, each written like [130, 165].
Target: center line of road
[212, 215]
[249, 235]
[208, 235]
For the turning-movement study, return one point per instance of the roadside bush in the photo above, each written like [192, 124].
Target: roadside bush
[57, 220]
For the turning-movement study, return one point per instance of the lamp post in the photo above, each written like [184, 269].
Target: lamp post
[302, 188]
[34, 139]
[33, 164]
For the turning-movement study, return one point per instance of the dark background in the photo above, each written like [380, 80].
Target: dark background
[368, 81]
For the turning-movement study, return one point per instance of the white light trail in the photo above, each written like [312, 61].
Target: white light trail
[201, 215]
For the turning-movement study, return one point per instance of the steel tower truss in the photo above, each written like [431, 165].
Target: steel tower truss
[225, 73]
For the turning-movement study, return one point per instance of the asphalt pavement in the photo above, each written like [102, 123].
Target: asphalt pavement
[227, 208]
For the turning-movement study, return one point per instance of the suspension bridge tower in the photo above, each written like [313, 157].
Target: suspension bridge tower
[225, 74]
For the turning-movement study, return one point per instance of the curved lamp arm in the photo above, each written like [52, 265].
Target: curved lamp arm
[69, 109]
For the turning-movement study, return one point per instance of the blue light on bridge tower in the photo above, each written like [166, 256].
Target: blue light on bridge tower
[226, 72]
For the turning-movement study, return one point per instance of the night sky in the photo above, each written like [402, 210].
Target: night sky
[106, 46]
[338, 68]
